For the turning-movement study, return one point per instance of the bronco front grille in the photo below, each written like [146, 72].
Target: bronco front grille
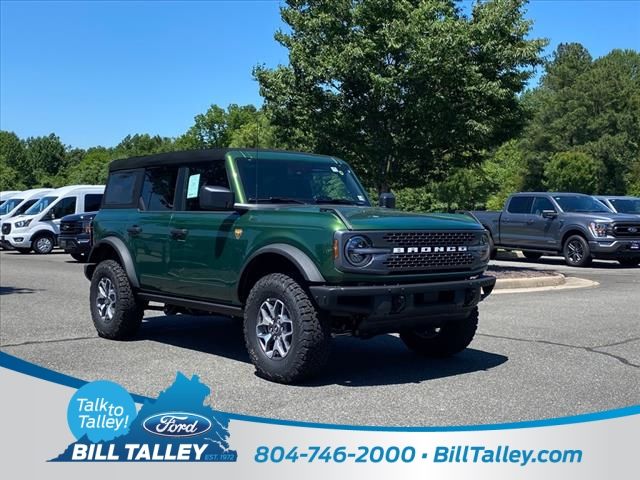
[409, 239]
[429, 261]
[626, 230]
[6, 228]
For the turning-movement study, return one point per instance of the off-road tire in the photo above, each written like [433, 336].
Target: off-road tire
[531, 255]
[128, 310]
[22, 250]
[585, 259]
[79, 257]
[39, 247]
[310, 344]
[629, 262]
[451, 338]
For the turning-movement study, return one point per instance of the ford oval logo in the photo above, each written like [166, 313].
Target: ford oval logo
[176, 424]
[633, 229]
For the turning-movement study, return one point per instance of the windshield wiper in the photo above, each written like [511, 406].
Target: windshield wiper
[276, 200]
[339, 201]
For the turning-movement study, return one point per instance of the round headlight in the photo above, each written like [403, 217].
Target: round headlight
[353, 254]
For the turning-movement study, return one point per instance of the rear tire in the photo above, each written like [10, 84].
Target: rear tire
[576, 251]
[531, 255]
[115, 311]
[43, 243]
[629, 262]
[287, 338]
[23, 250]
[449, 339]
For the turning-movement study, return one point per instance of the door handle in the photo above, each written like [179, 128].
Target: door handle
[179, 233]
[134, 230]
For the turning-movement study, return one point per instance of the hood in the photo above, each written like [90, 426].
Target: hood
[605, 217]
[375, 218]
[77, 217]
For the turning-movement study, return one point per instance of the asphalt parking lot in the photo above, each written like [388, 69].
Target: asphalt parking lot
[537, 354]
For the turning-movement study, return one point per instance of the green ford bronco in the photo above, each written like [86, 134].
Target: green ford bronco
[288, 242]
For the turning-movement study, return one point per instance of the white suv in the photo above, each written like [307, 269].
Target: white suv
[39, 227]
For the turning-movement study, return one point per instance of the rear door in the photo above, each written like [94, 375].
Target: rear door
[543, 231]
[205, 247]
[149, 234]
[516, 220]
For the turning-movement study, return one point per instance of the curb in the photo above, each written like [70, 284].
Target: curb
[530, 282]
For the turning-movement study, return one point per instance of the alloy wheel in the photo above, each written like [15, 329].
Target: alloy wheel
[575, 251]
[274, 328]
[106, 299]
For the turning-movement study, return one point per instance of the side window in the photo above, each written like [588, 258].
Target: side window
[540, 204]
[158, 189]
[213, 174]
[66, 206]
[23, 208]
[92, 202]
[520, 204]
[121, 189]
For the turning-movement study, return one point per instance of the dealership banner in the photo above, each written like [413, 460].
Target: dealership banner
[53, 424]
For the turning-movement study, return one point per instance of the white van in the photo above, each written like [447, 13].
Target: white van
[6, 195]
[39, 227]
[20, 202]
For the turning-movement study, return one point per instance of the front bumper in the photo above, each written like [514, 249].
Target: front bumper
[16, 240]
[391, 308]
[615, 248]
[75, 244]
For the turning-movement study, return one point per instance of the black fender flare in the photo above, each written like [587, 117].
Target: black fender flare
[301, 260]
[573, 227]
[123, 254]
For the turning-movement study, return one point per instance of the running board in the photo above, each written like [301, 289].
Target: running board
[212, 307]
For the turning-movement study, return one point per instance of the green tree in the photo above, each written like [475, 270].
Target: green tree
[93, 168]
[257, 133]
[12, 150]
[143, 144]
[573, 171]
[504, 174]
[45, 160]
[216, 127]
[406, 90]
[9, 177]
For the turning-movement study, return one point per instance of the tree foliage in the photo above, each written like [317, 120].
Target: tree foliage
[573, 171]
[405, 89]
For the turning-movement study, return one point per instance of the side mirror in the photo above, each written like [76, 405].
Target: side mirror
[549, 214]
[387, 200]
[216, 198]
[50, 215]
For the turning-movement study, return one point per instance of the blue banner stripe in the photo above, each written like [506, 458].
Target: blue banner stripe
[16, 364]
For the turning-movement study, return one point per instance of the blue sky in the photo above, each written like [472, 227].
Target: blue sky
[93, 72]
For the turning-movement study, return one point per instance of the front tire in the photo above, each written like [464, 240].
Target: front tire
[444, 341]
[629, 262]
[115, 311]
[287, 338]
[576, 251]
[43, 243]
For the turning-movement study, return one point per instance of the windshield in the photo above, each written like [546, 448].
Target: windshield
[40, 205]
[626, 205]
[580, 204]
[296, 181]
[9, 205]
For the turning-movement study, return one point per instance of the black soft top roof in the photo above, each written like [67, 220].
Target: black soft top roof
[189, 156]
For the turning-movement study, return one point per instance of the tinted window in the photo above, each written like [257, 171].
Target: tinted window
[626, 205]
[520, 205]
[121, 189]
[159, 188]
[9, 205]
[542, 203]
[92, 202]
[25, 206]
[580, 204]
[40, 205]
[66, 206]
[213, 174]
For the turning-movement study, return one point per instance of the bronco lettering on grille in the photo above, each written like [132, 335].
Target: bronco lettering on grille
[461, 248]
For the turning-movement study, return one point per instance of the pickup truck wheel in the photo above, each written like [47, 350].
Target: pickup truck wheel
[79, 257]
[531, 255]
[629, 262]
[286, 337]
[115, 311]
[493, 251]
[577, 252]
[443, 341]
[43, 243]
